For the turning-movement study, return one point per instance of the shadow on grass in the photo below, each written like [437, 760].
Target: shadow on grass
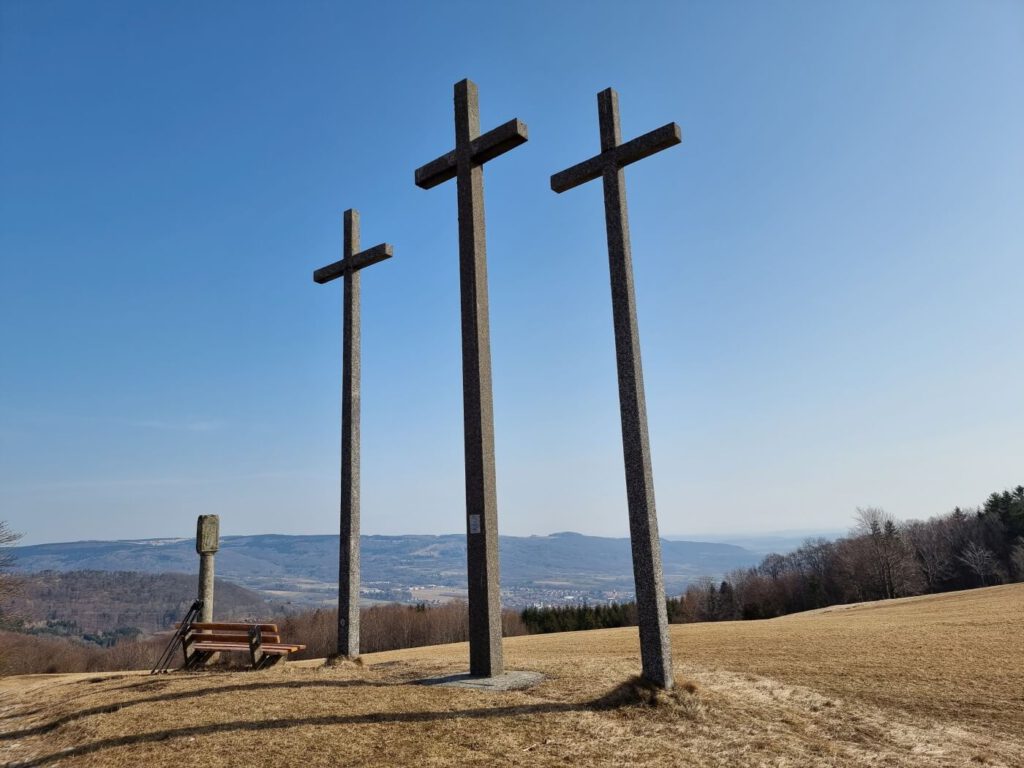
[298, 722]
[14, 715]
[632, 693]
[178, 696]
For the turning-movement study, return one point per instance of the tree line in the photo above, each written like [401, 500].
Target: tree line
[881, 558]
[382, 628]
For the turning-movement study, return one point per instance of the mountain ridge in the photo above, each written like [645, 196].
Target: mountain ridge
[284, 566]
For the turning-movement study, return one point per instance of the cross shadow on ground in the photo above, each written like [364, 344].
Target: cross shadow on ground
[298, 722]
[633, 692]
[178, 696]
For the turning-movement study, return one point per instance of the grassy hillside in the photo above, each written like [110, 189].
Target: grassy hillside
[930, 681]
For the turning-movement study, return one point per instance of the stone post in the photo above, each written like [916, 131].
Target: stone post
[207, 543]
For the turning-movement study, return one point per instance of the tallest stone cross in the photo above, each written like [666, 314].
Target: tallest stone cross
[655, 648]
[465, 163]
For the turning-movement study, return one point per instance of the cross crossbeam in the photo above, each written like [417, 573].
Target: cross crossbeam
[483, 148]
[349, 266]
[358, 261]
[655, 648]
[465, 164]
[617, 157]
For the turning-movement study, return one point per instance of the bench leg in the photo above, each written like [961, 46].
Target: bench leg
[270, 659]
[196, 659]
[255, 653]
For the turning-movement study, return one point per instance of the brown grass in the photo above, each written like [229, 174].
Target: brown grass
[936, 681]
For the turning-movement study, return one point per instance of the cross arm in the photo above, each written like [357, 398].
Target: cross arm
[648, 144]
[436, 171]
[580, 173]
[619, 157]
[351, 264]
[499, 140]
[483, 148]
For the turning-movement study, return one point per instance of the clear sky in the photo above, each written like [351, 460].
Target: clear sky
[829, 269]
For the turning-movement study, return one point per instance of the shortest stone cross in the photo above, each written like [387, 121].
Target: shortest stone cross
[348, 561]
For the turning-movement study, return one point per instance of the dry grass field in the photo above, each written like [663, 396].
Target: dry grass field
[935, 680]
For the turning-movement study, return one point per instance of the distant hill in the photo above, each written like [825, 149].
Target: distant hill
[277, 564]
[780, 542]
[80, 602]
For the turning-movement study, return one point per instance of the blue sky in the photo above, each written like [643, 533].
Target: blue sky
[829, 269]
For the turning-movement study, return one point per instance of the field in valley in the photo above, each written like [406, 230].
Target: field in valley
[935, 680]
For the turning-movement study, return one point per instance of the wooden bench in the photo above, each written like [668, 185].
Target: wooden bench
[261, 641]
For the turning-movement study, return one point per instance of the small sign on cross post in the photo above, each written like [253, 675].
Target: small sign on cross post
[655, 647]
[465, 163]
[348, 561]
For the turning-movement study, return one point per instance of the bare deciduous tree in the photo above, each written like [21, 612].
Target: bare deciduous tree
[8, 583]
[980, 560]
[930, 547]
[1017, 560]
[891, 561]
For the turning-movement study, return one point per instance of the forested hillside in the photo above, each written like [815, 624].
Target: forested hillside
[110, 605]
[881, 558]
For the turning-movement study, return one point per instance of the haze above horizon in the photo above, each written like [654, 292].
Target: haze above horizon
[829, 268]
[791, 538]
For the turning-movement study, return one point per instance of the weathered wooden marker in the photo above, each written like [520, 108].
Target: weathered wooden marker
[465, 163]
[655, 647]
[348, 562]
[207, 544]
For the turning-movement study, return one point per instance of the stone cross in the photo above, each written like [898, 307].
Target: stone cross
[465, 163]
[207, 544]
[348, 561]
[655, 648]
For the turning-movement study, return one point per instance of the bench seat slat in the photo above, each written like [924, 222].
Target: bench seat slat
[233, 637]
[291, 647]
[228, 647]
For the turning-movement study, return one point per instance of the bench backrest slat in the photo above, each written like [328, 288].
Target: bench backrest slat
[230, 626]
